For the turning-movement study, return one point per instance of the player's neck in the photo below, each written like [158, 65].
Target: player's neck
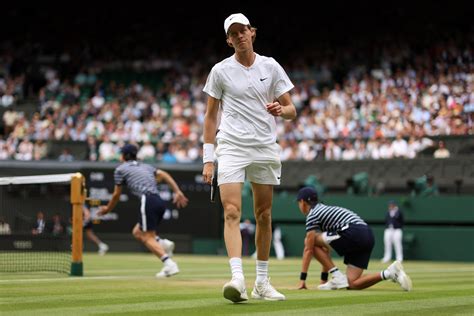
[246, 58]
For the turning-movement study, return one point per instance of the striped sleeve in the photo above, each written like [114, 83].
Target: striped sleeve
[118, 177]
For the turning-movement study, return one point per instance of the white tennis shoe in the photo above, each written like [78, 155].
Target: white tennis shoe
[398, 275]
[336, 282]
[103, 248]
[235, 290]
[170, 268]
[265, 291]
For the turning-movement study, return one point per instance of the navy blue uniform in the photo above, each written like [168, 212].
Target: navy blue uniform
[140, 179]
[353, 238]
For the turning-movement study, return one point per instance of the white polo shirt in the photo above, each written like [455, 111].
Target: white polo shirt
[244, 93]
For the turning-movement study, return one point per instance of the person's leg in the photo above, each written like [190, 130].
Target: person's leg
[103, 248]
[322, 254]
[324, 258]
[232, 203]
[152, 209]
[92, 237]
[231, 199]
[397, 241]
[263, 198]
[278, 245]
[387, 241]
[137, 232]
[148, 239]
[358, 281]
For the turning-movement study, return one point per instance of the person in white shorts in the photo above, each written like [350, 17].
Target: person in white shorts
[246, 91]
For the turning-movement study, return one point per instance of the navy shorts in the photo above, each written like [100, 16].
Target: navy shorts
[87, 224]
[356, 245]
[151, 213]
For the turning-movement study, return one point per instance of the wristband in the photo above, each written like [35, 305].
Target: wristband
[324, 276]
[303, 276]
[207, 153]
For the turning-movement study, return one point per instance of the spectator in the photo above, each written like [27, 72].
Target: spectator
[40, 150]
[4, 227]
[56, 226]
[66, 156]
[39, 224]
[442, 152]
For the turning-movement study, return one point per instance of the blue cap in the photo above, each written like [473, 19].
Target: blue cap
[392, 202]
[307, 194]
[129, 149]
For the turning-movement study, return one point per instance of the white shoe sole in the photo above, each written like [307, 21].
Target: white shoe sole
[405, 281]
[160, 275]
[266, 298]
[233, 294]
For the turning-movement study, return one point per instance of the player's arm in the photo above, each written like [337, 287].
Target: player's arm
[284, 107]
[209, 137]
[113, 201]
[87, 213]
[308, 253]
[179, 198]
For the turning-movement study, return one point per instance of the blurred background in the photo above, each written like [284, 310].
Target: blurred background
[384, 93]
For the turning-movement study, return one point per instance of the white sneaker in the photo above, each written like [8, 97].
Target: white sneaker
[398, 275]
[168, 246]
[103, 248]
[336, 282]
[235, 291]
[170, 268]
[265, 291]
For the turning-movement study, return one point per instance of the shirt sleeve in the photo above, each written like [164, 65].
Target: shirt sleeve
[283, 83]
[213, 85]
[118, 177]
[312, 224]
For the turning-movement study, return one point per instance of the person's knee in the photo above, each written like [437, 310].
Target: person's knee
[263, 217]
[137, 233]
[232, 214]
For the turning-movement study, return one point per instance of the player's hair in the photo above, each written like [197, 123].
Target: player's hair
[312, 200]
[129, 156]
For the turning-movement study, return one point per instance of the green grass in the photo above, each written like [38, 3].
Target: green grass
[124, 284]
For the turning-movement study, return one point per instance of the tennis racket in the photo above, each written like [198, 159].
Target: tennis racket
[214, 183]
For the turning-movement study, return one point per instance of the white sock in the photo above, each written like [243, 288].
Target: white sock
[335, 272]
[102, 245]
[236, 268]
[262, 271]
[385, 274]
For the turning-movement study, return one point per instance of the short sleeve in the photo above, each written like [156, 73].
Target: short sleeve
[213, 85]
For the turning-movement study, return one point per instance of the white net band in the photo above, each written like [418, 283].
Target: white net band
[50, 178]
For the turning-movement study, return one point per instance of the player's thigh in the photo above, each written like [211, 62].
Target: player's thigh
[262, 197]
[266, 165]
[231, 196]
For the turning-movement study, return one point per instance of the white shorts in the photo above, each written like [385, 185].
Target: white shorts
[260, 165]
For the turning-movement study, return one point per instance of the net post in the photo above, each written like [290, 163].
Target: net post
[78, 196]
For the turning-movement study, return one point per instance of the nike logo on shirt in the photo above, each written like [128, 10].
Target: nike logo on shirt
[263, 79]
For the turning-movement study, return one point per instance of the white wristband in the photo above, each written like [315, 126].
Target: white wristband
[207, 153]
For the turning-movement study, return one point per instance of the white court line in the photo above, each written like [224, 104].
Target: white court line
[75, 278]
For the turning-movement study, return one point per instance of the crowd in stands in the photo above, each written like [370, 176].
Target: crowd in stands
[392, 107]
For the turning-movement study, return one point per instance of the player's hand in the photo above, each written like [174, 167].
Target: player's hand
[103, 210]
[274, 108]
[302, 285]
[207, 172]
[180, 199]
